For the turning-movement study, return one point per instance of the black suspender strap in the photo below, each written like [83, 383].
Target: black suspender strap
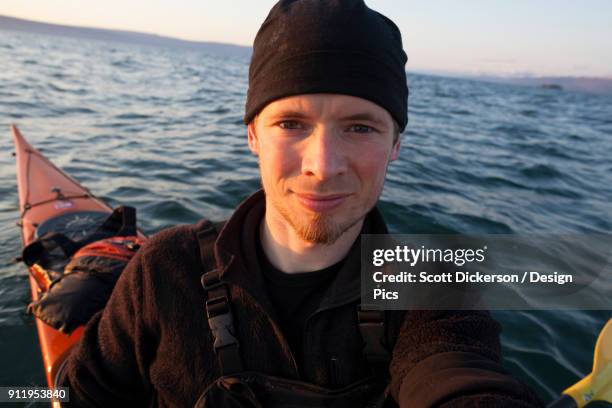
[218, 306]
[372, 328]
[207, 235]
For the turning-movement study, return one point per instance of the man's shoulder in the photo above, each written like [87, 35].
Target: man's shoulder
[169, 263]
[174, 243]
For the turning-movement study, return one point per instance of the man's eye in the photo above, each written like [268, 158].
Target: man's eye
[360, 129]
[290, 124]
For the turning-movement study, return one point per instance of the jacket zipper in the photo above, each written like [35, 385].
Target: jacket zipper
[305, 342]
[284, 341]
[333, 371]
[277, 329]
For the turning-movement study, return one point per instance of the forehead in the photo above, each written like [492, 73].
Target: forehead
[325, 106]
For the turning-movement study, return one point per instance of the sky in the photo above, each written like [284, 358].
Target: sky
[500, 37]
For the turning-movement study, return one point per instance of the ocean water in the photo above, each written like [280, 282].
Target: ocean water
[161, 129]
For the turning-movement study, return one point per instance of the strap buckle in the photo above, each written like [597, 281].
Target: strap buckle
[218, 312]
[218, 305]
[210, 280]
[221, 322]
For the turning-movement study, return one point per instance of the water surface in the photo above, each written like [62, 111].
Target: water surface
[161, 129]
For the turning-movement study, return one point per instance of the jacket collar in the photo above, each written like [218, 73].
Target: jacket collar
[235, 250]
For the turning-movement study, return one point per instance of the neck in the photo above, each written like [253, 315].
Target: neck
[290, 253]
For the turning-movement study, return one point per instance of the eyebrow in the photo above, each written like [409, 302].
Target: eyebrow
[367, 117]
[289, 114]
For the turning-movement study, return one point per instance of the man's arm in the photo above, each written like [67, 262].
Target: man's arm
[453, 359]
[109, 364]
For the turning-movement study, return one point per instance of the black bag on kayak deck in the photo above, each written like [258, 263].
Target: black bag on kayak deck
[91, 268]
[53, 250]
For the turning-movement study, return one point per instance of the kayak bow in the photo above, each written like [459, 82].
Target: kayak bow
[50, 200]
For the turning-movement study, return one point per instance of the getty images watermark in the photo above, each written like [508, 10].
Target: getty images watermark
[486, 271]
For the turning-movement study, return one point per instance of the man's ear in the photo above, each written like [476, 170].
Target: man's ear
[252, 137]
[395, 150]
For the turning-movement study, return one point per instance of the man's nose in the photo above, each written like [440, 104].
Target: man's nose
[323, 157]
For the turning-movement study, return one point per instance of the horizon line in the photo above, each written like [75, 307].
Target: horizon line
[423, 70]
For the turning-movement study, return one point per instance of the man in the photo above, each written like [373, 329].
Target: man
[326, 103]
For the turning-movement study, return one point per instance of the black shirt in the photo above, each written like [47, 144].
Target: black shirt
[295, 296]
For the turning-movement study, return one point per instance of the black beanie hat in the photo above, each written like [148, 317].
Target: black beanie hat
[328, 46]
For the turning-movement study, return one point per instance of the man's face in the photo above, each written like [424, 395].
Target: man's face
[323, 160]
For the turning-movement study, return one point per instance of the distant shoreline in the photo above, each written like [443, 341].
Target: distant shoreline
[599, 86]
[602, 86]
[132, 37]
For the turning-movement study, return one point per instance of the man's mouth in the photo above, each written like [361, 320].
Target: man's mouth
[319, 202]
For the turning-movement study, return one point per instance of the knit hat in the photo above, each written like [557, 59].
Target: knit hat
[328, 46]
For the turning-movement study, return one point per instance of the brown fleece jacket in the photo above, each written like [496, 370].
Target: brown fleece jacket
[151, 346]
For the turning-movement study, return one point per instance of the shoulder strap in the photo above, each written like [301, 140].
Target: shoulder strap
[207, 235]
[372, 325]
[218, 305]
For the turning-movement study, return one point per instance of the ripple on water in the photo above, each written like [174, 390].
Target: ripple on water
[478, 224]
[74, 110]
[541, 171]
[60, 89]
[170, 212]
[545, 150]
[126, 192]
[15, 295]
[461, 112]
[132, 116]
[412, 219]
[530, 113]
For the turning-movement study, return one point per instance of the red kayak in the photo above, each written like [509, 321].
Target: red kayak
[50, 200]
